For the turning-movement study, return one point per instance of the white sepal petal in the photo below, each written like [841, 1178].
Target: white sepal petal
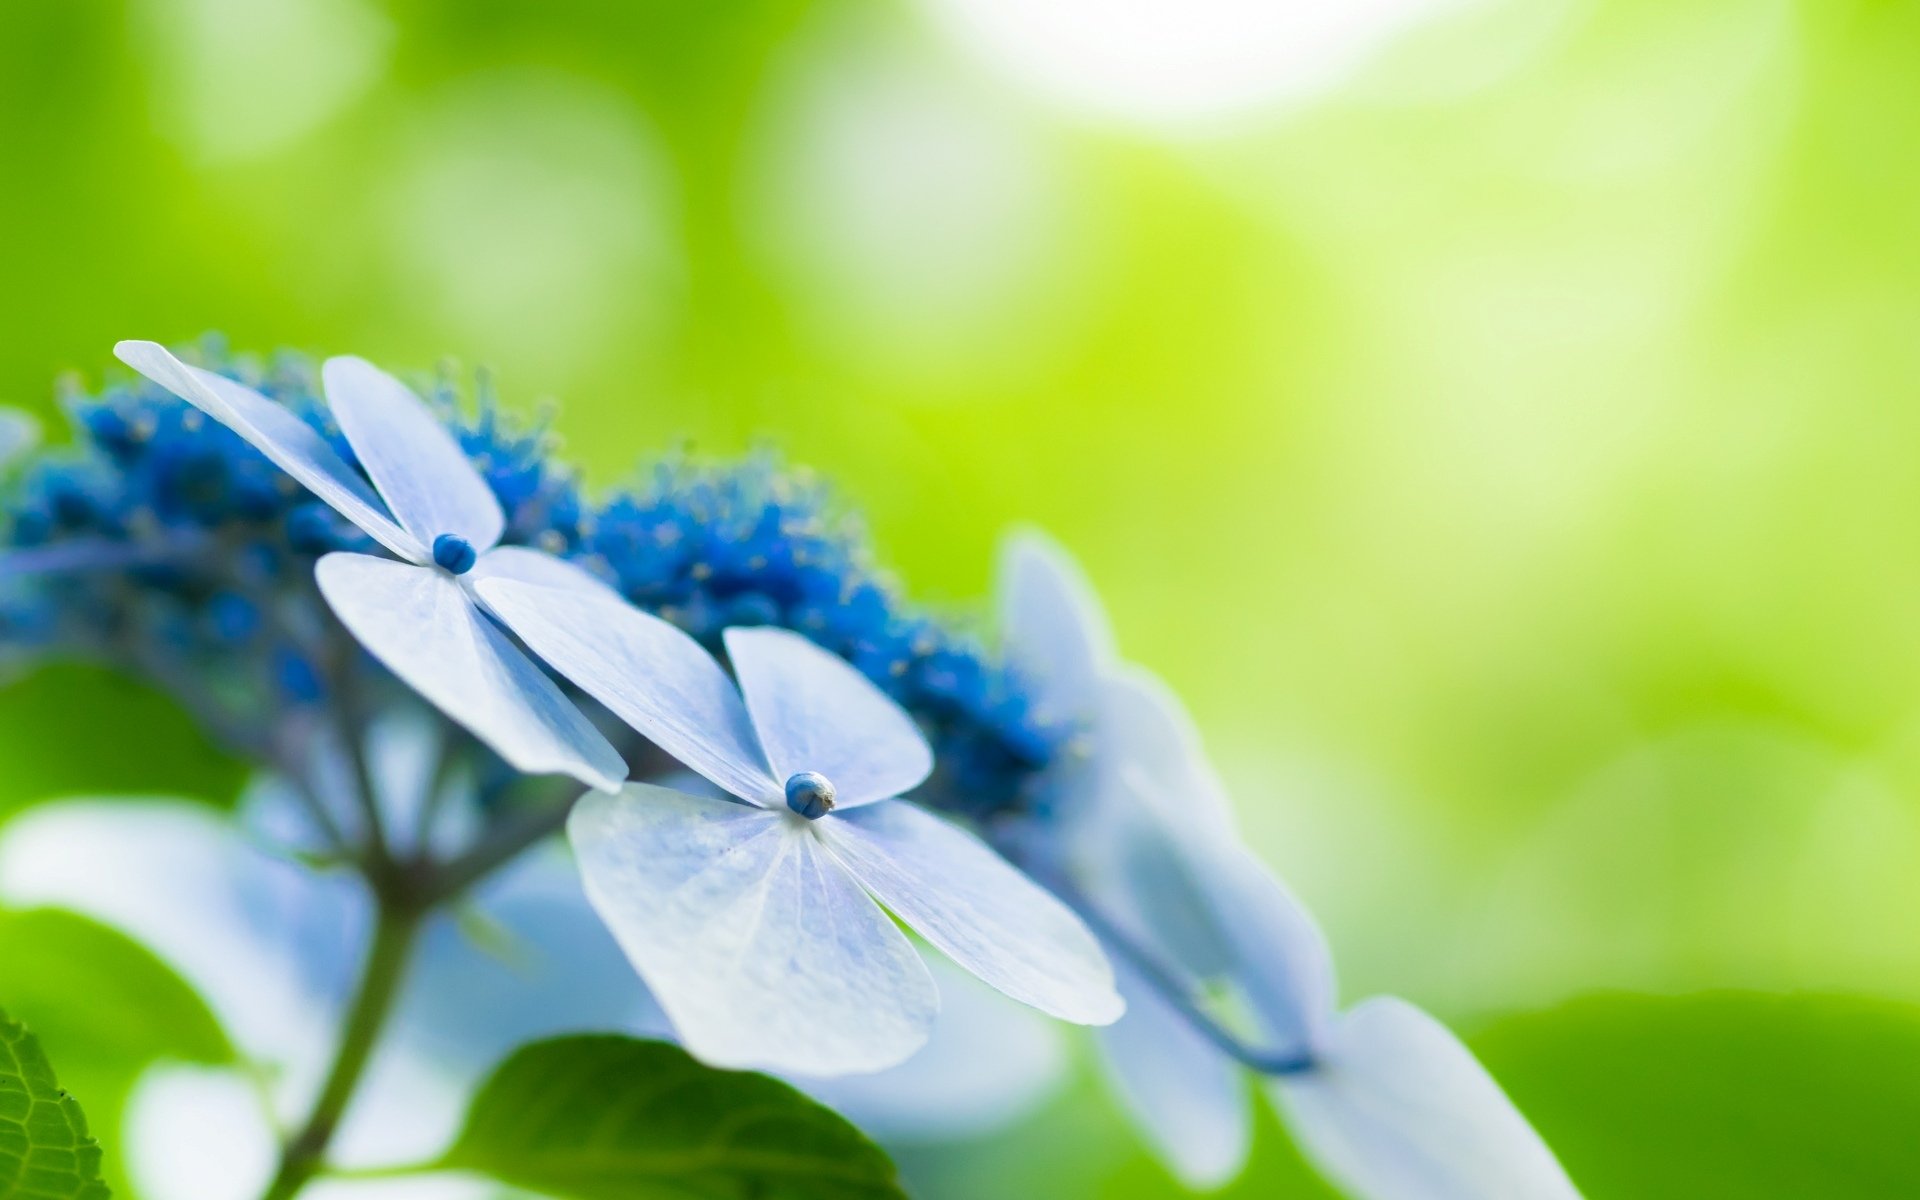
[537, 567]
[649, 673]
[289, 442]
[760, 947]
[976, 908]
[1187, 1099]
[1400, 1110]
[422, 625]
[814, 711]
[422, 473]
[1055, 630]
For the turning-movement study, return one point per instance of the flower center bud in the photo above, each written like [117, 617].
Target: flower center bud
[810, 794]
[454, 553]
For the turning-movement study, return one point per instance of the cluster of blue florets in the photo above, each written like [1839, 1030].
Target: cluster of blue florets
[175, 548]
[755, 543]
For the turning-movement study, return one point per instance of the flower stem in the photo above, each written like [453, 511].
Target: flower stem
[304, 1154]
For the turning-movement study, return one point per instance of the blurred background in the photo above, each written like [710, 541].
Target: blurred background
[1496, 418]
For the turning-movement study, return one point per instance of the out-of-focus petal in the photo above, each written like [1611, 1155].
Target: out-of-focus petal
[19, 434]
[527, 959]
[1283, 966]
[1185, 1097]
[815, 712]
[1055, 629]
[280, 435]
[198, 1133]
[989, 1063]
[647, 672]
[760, 947]
[1144, 732]
[1400, 1110]
[977, 909]
[420, 470]
[421, 624]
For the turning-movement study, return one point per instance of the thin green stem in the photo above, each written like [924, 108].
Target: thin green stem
[303, 1155]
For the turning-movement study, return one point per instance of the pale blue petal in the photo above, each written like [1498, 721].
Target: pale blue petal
[537, 567]
[1187, 1098]
[1148, 878]
[760, 947]
[422, 625]
[421, 472]
[1284, 969]
[1402, 1111]
[1054, 627]
[19, 434]
[283, 437]
[647, 672]
[989, 1063]
[815, 712]
[1145, 742]
[976, 908]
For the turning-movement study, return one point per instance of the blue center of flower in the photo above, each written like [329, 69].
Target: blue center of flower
[810, 794]
[454, 553]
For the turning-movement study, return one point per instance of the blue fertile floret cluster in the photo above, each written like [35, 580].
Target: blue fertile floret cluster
[162, 541]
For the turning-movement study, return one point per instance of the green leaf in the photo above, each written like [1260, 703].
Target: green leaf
[612, 1118]
[45, 1153]
[104, 1008]
[49, 740]
[1723, 1094]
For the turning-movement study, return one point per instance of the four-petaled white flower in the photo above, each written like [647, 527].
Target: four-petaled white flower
[757, 923]
[1394, 1106]
[433, 510]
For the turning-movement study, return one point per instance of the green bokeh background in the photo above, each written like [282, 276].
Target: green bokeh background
[1508, 449]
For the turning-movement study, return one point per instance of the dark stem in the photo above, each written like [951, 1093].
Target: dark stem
[304, 1155]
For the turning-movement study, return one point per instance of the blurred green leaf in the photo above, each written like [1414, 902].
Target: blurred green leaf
[45, 1153]
[1721, 1094]
[103, 1006]
[52, 726]
[612, 1118]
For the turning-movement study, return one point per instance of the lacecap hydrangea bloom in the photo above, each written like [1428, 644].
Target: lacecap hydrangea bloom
[308, 576]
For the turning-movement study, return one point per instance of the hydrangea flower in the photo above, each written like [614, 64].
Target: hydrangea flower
[415, 613]
[1382, 1097]
[757, 921]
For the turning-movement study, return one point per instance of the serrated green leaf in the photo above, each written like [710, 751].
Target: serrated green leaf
[45, 1152]
[103, 1007]
[613, 1118]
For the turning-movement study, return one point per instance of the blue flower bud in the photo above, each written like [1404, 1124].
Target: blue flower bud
[453, 553]
[810, 794]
